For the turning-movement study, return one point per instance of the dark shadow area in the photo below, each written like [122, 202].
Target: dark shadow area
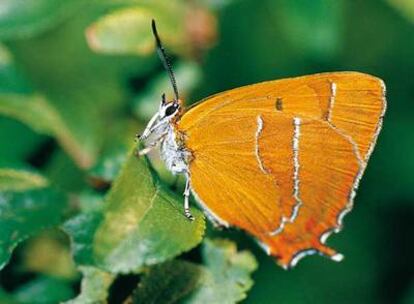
[396, 251]
[40, 157]
[122, 287]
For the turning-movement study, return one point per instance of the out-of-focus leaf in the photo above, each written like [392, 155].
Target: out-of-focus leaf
[48, 254]
[11, 79]
[95, 284]
[6, 298]
[12, 179]
[141, 224]
[224, 277]
[39, 114]
[227, 276]
[184, 27]
[405, 7]
[43, 290]
[23, 214]
[18, 102]
[218, 4]
[118, 141]
[90, 201]
[20, 18]
[128, 30]
[188, 76]
[314, 27]
[65, 174]
[17, 140]
[168, 283]
[86, 90]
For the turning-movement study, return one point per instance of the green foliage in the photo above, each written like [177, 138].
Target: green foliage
[115, 150]
[23, 214]
[12, 179]
[48, 254]
[226, 274]
[36, 112]
[23, 18]
[125, 30]
[95, 284]
[317, 30]
[224, 278]
[406, 7]
[79, 78]
[169, 282]
[153, 226]
[43, 290]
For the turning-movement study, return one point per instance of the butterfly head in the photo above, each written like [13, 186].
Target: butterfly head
[169, 110]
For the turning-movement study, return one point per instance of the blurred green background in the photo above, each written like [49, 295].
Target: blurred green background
[78, 78]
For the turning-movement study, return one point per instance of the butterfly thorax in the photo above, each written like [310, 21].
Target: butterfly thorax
[173, 152]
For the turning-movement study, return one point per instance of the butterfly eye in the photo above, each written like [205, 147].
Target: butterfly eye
[171, 109]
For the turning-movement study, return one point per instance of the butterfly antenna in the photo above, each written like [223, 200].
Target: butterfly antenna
[164, 58]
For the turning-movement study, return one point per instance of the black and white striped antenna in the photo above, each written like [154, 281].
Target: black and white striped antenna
[164, 59]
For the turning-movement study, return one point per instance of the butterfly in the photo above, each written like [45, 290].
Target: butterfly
[280, 159]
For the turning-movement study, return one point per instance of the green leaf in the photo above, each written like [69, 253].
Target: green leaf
[227, 276]
[12, 179]
[40, 114]
[48, 254]
[18, 141]
[119, 140]
[33, 110]
[6, 298]
[83, 91]
[90, 201]
[64, 172]
[29, 17]
[224, 277]
[405, 7]
[11, 78]
[23, 214]
[168, 282]
[141, 224]
[95, 285]
[128, 30]
[43, 290]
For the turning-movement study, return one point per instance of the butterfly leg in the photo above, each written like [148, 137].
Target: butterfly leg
[187, 212]
[148, 148]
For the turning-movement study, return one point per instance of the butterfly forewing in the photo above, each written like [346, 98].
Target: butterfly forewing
[227, 177]
[351, 101]
[281, 159]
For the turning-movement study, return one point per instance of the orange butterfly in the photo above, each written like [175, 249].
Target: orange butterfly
[279, 159]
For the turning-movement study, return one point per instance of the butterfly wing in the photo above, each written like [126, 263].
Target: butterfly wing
[281, 159]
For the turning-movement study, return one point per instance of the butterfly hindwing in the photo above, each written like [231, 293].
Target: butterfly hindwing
[281, 159]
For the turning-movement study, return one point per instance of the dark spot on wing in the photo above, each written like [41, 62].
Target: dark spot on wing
[279, 104]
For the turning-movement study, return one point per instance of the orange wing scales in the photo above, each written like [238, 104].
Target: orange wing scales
[213, 167]
[325, 180]
[290, 187]
[282, 159]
